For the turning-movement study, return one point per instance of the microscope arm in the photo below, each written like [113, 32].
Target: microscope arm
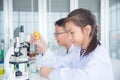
[8, 70]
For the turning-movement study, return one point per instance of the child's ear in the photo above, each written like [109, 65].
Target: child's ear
[87, 29]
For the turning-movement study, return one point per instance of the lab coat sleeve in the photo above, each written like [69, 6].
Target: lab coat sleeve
[92, 71]
[65, 71]
[49, 59]
[92, 67]
[68, 74]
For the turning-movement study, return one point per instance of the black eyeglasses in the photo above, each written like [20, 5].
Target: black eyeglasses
[56, 34]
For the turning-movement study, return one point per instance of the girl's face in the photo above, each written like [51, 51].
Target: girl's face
[76, 34]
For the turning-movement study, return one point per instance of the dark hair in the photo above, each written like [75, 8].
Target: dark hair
[82, 17]
[60, 22]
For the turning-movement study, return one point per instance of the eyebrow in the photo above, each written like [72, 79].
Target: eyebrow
[69, 30]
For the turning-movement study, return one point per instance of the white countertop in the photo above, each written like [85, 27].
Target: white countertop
[33, 76]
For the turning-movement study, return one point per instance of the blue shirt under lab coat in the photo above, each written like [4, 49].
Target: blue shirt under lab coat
[95, 66]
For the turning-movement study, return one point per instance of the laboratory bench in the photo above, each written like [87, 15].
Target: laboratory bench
[33, 76]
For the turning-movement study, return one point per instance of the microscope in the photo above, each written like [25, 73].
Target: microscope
[16, 59]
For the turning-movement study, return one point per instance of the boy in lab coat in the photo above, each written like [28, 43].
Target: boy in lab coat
[62, 39]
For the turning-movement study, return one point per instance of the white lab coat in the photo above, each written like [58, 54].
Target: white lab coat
[95, 66]
[60, 52]
[52, 58]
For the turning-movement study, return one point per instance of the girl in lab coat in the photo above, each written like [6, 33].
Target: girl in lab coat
[91, 62]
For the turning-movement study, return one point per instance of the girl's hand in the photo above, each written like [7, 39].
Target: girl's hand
[45, 71]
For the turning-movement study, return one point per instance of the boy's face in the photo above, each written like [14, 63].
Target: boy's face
[61, 35]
